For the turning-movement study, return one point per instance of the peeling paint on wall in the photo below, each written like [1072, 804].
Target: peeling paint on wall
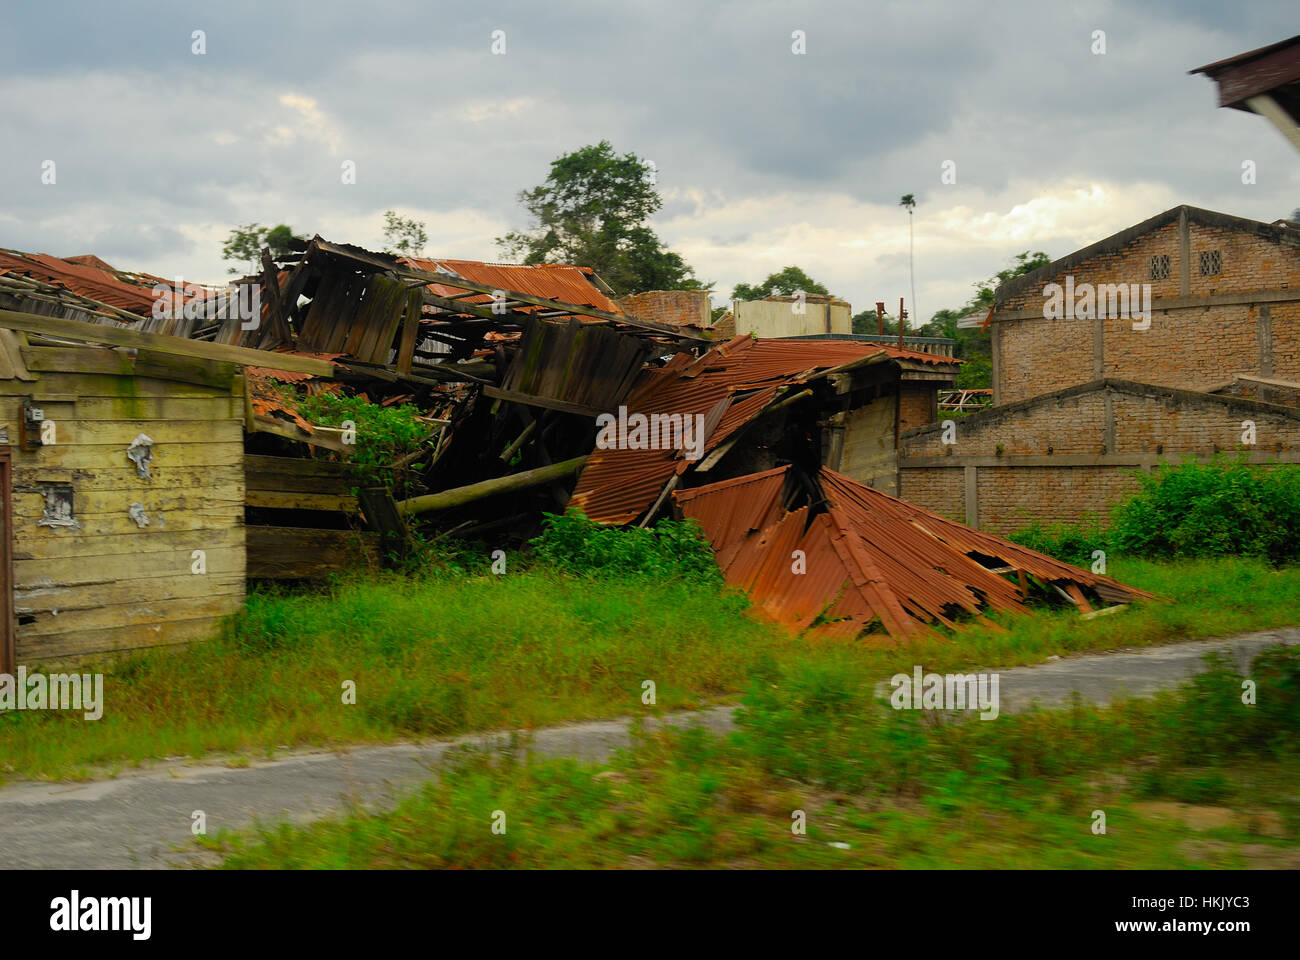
[140, 453]
[136, 513]
[58, 507]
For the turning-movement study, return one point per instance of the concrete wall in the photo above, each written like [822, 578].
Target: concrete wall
[776, 317]
[868, 453]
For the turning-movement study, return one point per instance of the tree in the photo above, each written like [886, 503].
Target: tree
[974, 345]
[865, 322]
[592, 211]
[784, 283]
[403, 237]
[909, 201]
[244, 246]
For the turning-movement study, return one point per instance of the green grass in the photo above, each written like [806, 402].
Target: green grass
[1188, 779]
[452, 652]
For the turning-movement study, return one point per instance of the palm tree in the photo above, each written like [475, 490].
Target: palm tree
[909, 202]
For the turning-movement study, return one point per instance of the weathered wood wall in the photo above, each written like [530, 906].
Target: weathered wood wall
[283, 486]
[110, 584]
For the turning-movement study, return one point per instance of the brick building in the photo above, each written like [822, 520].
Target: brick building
[1178, 336]
[669, 306]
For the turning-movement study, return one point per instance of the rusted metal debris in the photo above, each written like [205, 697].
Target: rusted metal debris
[729, 386]
[837, 558]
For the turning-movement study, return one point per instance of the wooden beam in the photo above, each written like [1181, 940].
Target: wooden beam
[289, 432]
[145, 363]
[163, 344]
[410, 333]
[1076, 595]
[487, 488]
[383, 517]
[296, 500]
[438, 374]
[564, 406]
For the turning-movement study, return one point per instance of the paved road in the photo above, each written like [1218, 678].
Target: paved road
[142, 818]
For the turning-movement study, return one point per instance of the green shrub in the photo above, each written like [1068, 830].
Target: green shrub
[1221, 508]
[1189, 511]
[574, 544]
[384, 434]
[1072, 544]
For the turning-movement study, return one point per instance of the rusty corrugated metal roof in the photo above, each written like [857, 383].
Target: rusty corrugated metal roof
[868, 559]
[88, 276]
[81, 278]
[731, 384]
[269, 402]
[554, 281]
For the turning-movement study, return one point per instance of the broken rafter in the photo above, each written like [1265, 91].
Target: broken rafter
[459, 496]
[164, 344]
[448, 280]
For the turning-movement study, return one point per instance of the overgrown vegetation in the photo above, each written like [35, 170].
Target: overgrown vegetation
[456, 649]
[1189, 511]
[887, 788]
[1073, 543]
[1222, 508]
[574, 544]
[390, 434]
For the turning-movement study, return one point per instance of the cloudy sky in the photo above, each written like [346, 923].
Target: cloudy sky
[765, 157]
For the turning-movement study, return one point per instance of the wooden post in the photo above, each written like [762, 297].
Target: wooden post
[382, 516]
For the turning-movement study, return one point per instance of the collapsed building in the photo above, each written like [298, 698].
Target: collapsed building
[165, 458]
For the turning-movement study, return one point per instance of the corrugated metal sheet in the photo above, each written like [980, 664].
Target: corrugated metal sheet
[554, 281]
[89, 276]
[268, 402]
[80, 278]
[733, 383]
[869, 559]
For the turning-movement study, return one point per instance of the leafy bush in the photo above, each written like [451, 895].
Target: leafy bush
[1190, 511]
[1222, 508]
[575, 544]
[384, 434]
[1064, 542]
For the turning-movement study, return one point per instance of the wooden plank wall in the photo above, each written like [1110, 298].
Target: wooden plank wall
[112, 585]
[294, 553]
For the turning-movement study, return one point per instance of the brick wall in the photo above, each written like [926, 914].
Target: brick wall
[942, 491]
[1287, 393]
[1144, 424]
[1193, 347]
[1068, 424]
[1285, 323]
[669, 306]
[1116, 428]
[1037, 356]
[916, 405]
[1012, 498]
